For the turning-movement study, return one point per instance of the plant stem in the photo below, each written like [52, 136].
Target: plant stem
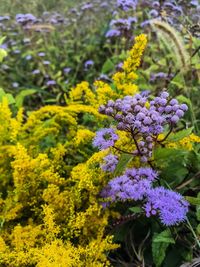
[193, 232]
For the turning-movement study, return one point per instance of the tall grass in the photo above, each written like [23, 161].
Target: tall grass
[35, 6]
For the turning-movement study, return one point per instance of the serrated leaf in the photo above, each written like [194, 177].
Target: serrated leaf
[123, 161]
[180, 135]
[160, 244]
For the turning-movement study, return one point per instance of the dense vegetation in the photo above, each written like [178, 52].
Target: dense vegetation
[99, 133]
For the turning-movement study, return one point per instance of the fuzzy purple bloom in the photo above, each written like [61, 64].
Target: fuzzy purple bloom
[133, 185]
[110, 163]
[169, 205]
[105, 138]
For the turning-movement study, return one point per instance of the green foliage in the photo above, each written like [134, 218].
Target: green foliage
[160, 244]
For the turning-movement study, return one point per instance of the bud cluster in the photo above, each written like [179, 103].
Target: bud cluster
[145, 119]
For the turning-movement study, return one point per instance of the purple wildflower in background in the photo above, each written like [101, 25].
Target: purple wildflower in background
[25, 18]
[46, 62]
[26, 40]
[34, 72]
[51, 83]
[105, 138]
[153, 13]
[121, 24]
[104, 77]
[15, 85]
[169, 205]
[87, 6]
[2, 18]
[89, 63]
[126, 5]
[110, 163]
[17, 51]
[113, 33]
[4, 46]
[67, 70]
[41, 54]
[28, 57]
[194, 2]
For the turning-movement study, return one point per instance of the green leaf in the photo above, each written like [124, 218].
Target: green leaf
[136, 209]
[107, 66]
[198, 229]
[180, 135]
[163, 154]
[20, 97]
[160, 244]
[198, 210]
[9, 97]
[123, 161]
[193, 200]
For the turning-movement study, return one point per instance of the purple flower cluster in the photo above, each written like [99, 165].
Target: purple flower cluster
[105, 138]
[89, 63]
[136, 184]
[121, 27]
[127, 5]
[25, 18]
[169, 205]
[110, 163]
[144, 119]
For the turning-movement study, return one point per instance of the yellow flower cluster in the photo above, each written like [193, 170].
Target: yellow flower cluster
[124, 80]
[48, 198]
[185, 143]
[50, 182]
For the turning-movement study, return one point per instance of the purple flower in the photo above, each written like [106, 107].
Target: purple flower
[113, 33]
[2, 18]
[4, 46]
[133, 185]
[25, 18]
[194, 2]
[169, 205]
[28, 57]
[88, 64]
[67, 70]
[87, 6]
[17, 51]
[34, 72]
[15, 85]
[41, 54]
[51, 83]
[105, 138]
[104, 77]
[126, 5]
[154, 13]
[121, 24]
[110, 163]
[46, 62]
